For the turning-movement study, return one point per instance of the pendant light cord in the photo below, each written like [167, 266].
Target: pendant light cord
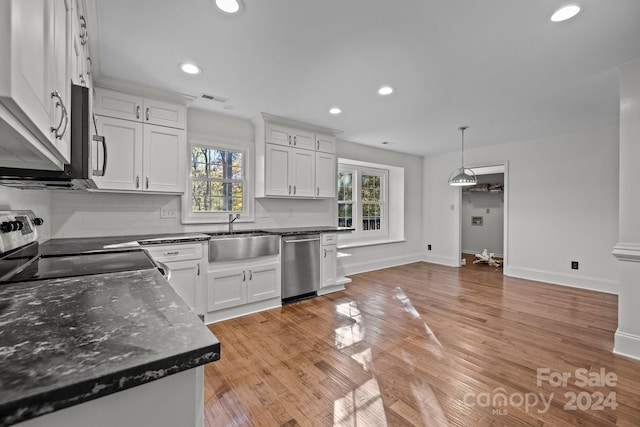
[462, 129]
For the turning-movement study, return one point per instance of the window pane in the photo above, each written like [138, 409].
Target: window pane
[370, 188]
[345, 186]
[212, 173]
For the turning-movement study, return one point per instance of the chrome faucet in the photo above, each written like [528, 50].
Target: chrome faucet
[231, 219]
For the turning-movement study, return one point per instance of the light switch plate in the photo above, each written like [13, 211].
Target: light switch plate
[168, 213]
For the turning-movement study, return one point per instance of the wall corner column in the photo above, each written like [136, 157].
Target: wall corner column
[627, 250]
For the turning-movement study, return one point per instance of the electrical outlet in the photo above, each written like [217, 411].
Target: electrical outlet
[428, 247]
[574, 265]
[168, 213]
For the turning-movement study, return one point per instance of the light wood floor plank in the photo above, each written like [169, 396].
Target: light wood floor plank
[422, 345]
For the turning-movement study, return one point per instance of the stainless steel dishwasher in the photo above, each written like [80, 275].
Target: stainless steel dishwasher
[300, 266]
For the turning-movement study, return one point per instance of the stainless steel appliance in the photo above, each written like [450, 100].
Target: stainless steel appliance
[87, 148]
[300, 266]
[21, 260]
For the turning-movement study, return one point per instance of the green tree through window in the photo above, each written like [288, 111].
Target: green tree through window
[217, 179]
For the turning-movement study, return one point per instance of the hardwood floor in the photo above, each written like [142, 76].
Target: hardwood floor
[426, 345]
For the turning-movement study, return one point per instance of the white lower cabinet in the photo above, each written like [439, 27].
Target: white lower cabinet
[241, 287]
[328, 264]
[184, 261]
[329, 280]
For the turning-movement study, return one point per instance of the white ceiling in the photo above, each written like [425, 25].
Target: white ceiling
[498, 66]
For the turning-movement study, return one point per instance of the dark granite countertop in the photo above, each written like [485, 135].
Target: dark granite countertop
[305, 230]
[74, 245]
[71, 340]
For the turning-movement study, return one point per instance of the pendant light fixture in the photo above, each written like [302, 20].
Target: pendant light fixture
[461, 176]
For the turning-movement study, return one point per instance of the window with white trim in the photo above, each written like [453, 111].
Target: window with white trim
[219, 182]
[363, 201]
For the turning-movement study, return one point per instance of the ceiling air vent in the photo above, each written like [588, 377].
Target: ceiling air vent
[215, 98]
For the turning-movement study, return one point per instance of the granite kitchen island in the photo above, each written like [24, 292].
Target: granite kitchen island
[101, 350]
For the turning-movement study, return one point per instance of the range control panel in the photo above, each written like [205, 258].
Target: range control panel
[17, 228]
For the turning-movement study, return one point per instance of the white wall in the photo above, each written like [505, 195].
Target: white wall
[39, 201]
[78, 214]
[380, 256]
[489, 235]
[562, 206]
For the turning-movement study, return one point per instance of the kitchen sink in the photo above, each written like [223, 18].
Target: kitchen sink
[242, 245]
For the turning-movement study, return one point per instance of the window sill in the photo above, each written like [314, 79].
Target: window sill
[362, 243]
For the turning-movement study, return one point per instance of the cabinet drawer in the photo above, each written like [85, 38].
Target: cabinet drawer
[329, 238]
[170, 253]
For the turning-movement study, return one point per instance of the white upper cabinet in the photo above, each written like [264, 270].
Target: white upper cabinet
[130, 107]
[326, 171]
[140, 156]
[292, 161]
[284, 135]
[81, 65]
[35, 83]
[325, 143]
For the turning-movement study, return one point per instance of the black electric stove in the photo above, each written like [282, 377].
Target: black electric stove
[21, 261]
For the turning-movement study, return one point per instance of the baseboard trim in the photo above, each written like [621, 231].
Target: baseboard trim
[437, 259]
[583, 282]
[627, 345]
[379, 264]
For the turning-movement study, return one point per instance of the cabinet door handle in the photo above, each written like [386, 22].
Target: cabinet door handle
[84, 35]
[89, 66]
[294, 189]
[146, 113]
[147, 183]
[172, 253]
[317, 144]
[289, 188]
[317, 191]
[64, 118]
[325, 253]
[244, 276]
[137, 112]
[137, 181]
[198, 273]
[289, 139]
[101, 139]
[295, 140]
[250, 275]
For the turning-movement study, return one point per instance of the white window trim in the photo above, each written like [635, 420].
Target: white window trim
[359, 234]
[229, 144]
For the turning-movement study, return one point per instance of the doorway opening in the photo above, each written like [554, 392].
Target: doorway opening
[483, 214]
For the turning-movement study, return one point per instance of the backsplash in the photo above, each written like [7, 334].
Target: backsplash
[78, 214]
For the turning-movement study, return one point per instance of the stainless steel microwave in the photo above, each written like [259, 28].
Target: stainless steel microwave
[79, 174]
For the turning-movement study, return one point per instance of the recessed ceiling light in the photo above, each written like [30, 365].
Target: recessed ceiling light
[385, 90]
[190, 68]
[335, 110]
[564, 13]
[229, 6]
